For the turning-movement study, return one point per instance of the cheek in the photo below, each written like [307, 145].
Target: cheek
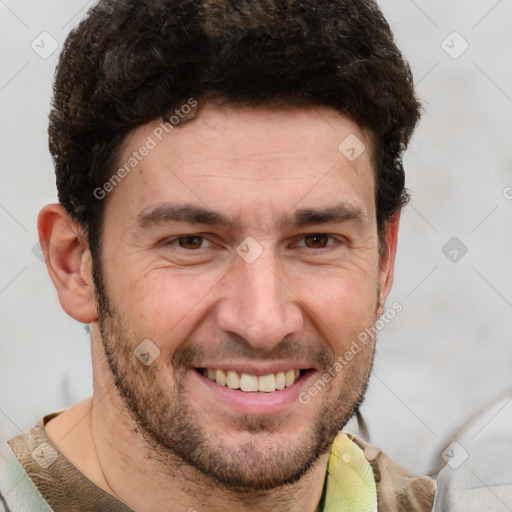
[164, 305]
[341, 304]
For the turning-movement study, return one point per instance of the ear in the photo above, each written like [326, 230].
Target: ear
[68, 261]
[387, 261]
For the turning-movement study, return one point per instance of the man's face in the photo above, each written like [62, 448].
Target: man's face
[244, 242]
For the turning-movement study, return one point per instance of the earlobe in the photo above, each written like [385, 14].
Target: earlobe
[68, 261]
[387, 261]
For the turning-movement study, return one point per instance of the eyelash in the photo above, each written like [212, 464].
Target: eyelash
[328, 248]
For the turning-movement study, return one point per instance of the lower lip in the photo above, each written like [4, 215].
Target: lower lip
[254, 403]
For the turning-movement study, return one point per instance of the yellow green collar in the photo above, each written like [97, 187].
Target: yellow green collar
[350, 483]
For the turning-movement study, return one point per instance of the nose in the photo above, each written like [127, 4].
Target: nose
[258, 303]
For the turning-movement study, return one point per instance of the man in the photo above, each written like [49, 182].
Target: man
[230, 183]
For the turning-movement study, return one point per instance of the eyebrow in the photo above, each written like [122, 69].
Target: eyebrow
[333, 214]
[170, 212]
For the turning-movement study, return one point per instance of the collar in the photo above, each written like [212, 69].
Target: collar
[359, 475]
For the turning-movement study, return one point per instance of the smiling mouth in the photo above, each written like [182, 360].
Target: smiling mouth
[252, 383]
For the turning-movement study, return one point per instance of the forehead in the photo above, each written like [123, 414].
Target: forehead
[251, 161]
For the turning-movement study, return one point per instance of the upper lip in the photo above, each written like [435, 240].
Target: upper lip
[255, 368]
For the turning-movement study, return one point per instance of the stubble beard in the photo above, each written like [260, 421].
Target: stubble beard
[175, 436]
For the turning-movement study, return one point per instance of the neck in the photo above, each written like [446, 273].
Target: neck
[102, 440]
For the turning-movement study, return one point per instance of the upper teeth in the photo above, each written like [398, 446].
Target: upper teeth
[247, 382]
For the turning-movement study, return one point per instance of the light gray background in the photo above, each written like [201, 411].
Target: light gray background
[446, 354]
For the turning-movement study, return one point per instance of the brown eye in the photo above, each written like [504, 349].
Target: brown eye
[316, 241]
[190, 242]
